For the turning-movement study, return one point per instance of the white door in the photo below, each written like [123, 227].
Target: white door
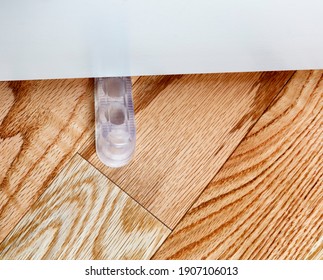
[91, 38]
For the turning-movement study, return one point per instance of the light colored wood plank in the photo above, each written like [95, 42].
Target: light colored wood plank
[42, 124]
[82, 215]
[187, 127]
[267, 200]
[316, 253]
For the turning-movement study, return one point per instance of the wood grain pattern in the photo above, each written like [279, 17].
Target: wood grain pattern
[267, 200]
[134, 79]
[82, 215]
[42, 125]
[187, 127]
[316, 253]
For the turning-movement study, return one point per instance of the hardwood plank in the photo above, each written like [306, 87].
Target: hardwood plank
[187, 127]
[267, 200]
[83, 215]
[42, 124]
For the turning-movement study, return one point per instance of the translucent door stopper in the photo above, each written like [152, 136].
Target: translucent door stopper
[115, 130]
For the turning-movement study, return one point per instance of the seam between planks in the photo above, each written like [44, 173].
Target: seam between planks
[171, 230]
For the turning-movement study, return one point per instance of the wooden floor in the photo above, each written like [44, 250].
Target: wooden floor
[227, 166]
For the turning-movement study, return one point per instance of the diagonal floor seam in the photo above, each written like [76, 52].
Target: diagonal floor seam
[171, 230]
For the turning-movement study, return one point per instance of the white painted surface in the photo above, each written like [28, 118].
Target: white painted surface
[91, 38]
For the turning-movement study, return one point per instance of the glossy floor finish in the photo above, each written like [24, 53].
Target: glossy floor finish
[227, 166]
